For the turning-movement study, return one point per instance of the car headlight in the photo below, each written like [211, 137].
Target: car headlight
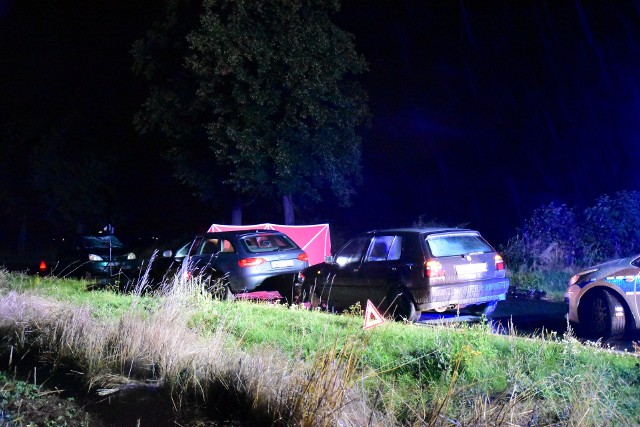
[94, 257]
[131, 255]
[576, 277]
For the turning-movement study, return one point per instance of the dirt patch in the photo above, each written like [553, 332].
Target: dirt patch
[44, 407]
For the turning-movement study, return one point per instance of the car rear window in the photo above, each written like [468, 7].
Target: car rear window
[457, 244]
[268, 243]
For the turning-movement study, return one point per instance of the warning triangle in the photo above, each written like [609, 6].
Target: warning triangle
[372, 316]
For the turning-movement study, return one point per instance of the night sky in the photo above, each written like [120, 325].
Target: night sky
[481, 111]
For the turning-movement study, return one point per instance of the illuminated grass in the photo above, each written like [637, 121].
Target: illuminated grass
[300, 365]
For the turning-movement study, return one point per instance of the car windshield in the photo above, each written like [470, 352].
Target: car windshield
[352, 251]
[268, 243]
[184, 250]
[101, 242]
[457, 244]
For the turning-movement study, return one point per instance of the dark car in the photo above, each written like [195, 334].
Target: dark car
[163, 267]
[101, 257]
[247, 261]
[603, 300]
[408, 271]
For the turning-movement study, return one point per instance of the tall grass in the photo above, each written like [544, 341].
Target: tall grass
[140, 346]
[295, 367]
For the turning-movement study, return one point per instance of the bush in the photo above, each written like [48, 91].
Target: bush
[548, 240]
[611, 227]
[555, 238]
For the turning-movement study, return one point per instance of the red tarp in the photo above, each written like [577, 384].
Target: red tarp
[262, 295]
[313, 239]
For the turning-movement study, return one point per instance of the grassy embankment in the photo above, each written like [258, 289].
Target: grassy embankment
[294, 367]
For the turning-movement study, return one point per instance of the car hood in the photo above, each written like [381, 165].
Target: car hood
[606, 269]
[105, 251]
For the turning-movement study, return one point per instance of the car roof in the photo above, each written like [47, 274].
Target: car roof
[422, 230]
[240, 233]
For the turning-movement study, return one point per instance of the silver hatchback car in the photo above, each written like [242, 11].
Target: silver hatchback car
[408, 271]
[603, 300]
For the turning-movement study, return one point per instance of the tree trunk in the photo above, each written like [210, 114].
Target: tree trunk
[236, 213]
[287, 203]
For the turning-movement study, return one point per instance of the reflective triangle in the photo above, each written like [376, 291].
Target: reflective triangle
[372, 316]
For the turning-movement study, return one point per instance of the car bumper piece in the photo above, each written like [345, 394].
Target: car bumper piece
[465, 294]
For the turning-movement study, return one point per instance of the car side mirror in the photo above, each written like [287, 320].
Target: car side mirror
[167, 254]
[328, 259]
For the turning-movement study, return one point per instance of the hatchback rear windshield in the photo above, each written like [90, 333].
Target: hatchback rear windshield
[457, 244]
[268, 243]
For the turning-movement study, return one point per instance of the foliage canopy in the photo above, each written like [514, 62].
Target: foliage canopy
[556, 237]
[256, 98]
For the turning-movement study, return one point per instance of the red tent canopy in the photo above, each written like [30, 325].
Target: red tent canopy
[313, 239]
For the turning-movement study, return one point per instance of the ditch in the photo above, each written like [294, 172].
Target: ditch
[32, 393]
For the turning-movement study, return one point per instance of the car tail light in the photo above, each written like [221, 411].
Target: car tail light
[43, 266]
[303, 257]
[499, 262]
[251, 262]
[434, 269]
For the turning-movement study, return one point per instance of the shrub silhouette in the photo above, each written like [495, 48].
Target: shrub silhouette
[555, 237]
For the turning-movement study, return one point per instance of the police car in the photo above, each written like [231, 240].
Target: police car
[603, 300]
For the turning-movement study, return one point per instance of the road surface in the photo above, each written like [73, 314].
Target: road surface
[525, 317]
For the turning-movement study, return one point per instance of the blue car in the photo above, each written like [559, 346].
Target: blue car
[247, 261]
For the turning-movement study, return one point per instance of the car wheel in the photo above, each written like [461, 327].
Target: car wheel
[219, 287]
[602, 316]
[486, 308]
[402, 307]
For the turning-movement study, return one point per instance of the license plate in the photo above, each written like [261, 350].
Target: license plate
[282, 264]
[464, 269]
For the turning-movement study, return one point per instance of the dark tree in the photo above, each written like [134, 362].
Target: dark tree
[256, 98]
